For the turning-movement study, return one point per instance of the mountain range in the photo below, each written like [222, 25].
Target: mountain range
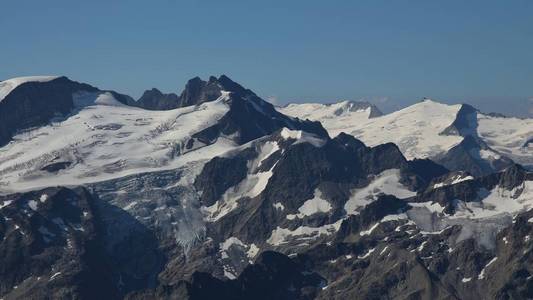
[217, 194]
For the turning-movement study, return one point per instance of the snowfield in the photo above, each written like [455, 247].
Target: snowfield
[387, 182]
[106, 139]
[508, 136]
[415, 129]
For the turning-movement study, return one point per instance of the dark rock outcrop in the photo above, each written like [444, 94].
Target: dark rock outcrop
[56, 244]
[34, 104]
[272, 276]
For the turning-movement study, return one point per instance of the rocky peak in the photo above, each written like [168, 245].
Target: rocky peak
[154, 99]
[513, 176]
[35, 102]
[345, 107]
[465, 123]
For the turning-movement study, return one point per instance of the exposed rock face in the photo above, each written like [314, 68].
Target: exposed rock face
[467, 156]
[250, 117]
[472, 154]
[56, 244]
[272, 276]
[155, 100]
[284, 212]
[35, 103]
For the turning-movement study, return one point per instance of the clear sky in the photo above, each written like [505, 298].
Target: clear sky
[389, 52]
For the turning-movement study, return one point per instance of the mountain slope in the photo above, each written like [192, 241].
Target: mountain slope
[429, 129]
[215, 194]
[100, 137]
[27, 102]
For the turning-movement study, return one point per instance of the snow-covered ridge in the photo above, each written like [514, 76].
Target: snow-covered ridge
[301, 137]
[456, 179]
[418, 129]
[415, 129]
[509, 136]
[106, 140]
[319, 111]
[7, 86]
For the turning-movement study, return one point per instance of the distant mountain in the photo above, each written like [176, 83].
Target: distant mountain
[429, 129]
[217, 194]
[87, 135]
[333, 112]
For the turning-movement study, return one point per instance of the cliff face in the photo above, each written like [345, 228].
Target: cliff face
[35, 103]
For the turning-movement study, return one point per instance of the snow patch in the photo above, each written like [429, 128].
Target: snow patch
[387, 182]
[137, 141]
[5, 203]
[278, 205]
[317, 204]
[367, 254]
[33, 205]
[251, 251]
[280, 235]
[482, 273]
[301, 137]
[454, 180]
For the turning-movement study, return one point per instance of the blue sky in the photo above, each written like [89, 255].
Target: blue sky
[389, 52]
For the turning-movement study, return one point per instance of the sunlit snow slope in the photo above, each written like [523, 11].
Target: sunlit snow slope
[414, 129]
[106, 139]
[511, 137]
[418, 129]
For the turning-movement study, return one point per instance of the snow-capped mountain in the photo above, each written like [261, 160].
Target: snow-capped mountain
[216, 194]
[92, 135]
[332, 114]
[430, 129]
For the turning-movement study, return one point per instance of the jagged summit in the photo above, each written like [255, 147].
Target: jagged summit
[196, 91]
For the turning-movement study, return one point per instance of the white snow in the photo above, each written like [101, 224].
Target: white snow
[464, 280]
[387, 182]
[369, 231]
[415, 129]
[367, 254]
[421, 247]
[498, 201]
[7, 86]
[251, 186]
[301, 137]
[335, 117]
[481, 219]
[5, 203]
[43, 198]
[482, 273]
[54, 276]
[33, 204]
[105, 141]
[251, 250]
[317, 204]
[278, 205]
[280, 235]
[431, 206]
[508, 136]
[228, 274]
[456, 179]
